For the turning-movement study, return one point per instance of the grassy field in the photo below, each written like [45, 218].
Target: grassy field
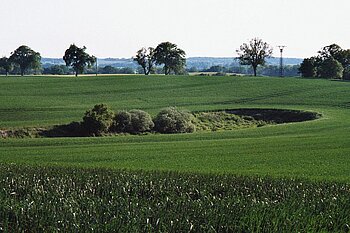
[51, 199]
[316, 150]
[276, 178]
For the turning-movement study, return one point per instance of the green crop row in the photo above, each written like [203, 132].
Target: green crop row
[52, 199]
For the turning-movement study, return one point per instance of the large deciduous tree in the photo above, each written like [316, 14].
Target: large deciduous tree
[254, 53]
[78, 59]
[172, 57]
[332, 62]
[330, 68]
[145, 58]
[308, 67]
[25, 58]
[332, 50]
[6, 64]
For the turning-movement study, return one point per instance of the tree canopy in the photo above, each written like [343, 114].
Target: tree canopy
[6, 64]
[78, 59]
[307, 67]
[330, 68]
[332, 50]
[25, 58]
[254, 53]
[172, 57]
[145, 58]
[331, 62]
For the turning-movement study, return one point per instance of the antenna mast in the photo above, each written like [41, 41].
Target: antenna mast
[96, 67]
[281, 47]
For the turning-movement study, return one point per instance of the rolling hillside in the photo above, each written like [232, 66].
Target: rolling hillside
[316, 150]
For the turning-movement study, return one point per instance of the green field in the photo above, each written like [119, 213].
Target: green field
[316, 150]
[53, 199]
[277, 178]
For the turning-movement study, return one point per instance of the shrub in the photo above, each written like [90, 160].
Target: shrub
[346, 73]
[203, 74]
[330, 68]
[308, 67]
[141, 121]
[135, 121]
[220, 74]
[121, 122]
[173, 120]
[98, 120]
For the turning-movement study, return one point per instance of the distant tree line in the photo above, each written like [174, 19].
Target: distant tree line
[168, 56]
[331, 62]
[64, 70]
[266, 70]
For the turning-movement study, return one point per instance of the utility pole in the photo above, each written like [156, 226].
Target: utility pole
[96, 67]
[281, 47]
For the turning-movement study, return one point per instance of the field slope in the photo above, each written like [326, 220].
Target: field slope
[317, 150]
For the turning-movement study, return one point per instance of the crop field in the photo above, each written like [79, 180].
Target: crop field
[72, 200]
[314, 153]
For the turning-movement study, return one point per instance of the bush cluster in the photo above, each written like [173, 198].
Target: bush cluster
[98, 120]
[101, 120]
[134, 121]
[173, 120]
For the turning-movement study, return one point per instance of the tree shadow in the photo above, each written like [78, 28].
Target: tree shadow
[278, 116]
[73, 129]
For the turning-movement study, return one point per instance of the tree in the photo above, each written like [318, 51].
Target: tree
[339, 54]
[254, 53]
[108, 70]
[345, 61]
[346, 73]
[25, 58]
[78, 59]
[330, 68]
[145, 58]
[308, 67]
[344, 57]
[56, 70]
[6, 64]
[173, 120]
[98, 120]
[332, 50]
[171, 57]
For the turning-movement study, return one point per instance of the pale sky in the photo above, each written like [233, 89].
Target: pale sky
[118, 28]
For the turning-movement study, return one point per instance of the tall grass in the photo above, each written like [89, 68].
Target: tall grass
[48, 199]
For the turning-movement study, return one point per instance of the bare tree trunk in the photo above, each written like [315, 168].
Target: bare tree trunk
[254, 69]
[166, 70]
[145, 70]
[149, 68]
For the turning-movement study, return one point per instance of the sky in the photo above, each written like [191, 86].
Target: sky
[203, 28]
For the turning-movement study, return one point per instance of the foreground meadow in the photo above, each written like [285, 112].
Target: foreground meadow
[271, 178]
[73, 200]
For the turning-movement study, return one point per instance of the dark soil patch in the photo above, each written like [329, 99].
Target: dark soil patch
[277, 116]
